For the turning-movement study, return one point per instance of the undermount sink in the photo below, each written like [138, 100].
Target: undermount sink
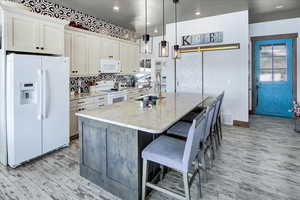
[149, 96]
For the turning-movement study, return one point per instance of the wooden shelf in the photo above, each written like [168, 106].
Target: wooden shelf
[210, 48]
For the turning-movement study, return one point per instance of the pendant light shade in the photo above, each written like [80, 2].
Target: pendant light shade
[176, 51]
[163, 49]
[146, 41]
[176, 48]
[163, 45]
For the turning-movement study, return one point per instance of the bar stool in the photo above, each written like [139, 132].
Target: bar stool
[216, 122]
[181, 128]
[178, 155]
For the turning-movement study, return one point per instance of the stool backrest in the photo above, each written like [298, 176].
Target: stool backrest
[218, 107]
[210, 112]
[221, 102]
[196, 132]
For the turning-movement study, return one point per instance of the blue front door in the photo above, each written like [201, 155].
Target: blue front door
[274, 77]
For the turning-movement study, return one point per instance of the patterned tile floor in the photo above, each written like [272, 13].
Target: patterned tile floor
[257, 163]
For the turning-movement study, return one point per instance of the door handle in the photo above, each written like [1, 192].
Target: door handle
[257, 87]
[40, 115]
[45, 95]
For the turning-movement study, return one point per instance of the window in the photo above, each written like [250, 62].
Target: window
[273, 63]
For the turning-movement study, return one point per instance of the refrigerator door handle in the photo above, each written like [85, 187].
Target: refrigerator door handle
[40, 74]
[45, 94]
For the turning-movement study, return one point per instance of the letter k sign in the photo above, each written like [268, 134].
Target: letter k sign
[186, 40]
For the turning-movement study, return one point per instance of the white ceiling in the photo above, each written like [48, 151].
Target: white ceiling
[132, 12]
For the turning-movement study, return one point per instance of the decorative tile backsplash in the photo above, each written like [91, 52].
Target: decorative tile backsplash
[74, 86]
[91, 23]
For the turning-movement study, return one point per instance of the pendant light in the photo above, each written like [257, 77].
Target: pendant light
[176, 49]
[163, 45]
[145, 45]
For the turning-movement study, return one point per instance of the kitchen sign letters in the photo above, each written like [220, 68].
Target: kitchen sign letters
[203, 38]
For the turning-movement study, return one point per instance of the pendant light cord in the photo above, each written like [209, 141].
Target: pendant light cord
[163, 20]
[146, 17]
[176, 23]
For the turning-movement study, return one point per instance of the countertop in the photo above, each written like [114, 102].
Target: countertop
[154, 120]
[95, 94]
[86, 95]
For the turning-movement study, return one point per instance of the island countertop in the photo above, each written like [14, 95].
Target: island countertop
[159, 118]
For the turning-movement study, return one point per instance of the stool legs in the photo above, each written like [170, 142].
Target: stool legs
[220, 126]
[186, 186]
[144, 178]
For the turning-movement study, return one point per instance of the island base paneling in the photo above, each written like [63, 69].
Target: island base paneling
[111, 157]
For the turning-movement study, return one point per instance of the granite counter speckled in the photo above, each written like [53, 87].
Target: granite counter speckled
[131, 114]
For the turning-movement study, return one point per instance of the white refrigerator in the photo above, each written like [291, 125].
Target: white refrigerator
[37, 106]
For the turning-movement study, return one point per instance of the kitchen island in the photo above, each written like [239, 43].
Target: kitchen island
[112, 139]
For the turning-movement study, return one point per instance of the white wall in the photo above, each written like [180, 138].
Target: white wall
[224, 70]
[279, 27]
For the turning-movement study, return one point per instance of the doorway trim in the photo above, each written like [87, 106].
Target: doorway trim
[294, 37]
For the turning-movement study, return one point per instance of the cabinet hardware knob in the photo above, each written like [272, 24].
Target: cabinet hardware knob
[37, 47]
[42, 48]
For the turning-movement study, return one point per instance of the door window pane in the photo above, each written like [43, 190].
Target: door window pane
[279, 74]
[273, 62]
[265, 75]
[266, 57]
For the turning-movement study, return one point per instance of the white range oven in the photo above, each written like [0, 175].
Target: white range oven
[115, 97]
[112, 96]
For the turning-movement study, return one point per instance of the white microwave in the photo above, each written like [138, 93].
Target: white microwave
[110, 66]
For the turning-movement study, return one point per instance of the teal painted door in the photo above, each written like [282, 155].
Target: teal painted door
[274, 77]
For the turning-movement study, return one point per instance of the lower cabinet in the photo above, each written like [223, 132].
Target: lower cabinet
[73, 123]
[88, 103]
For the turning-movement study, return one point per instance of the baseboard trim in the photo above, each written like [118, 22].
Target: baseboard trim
[241, 124]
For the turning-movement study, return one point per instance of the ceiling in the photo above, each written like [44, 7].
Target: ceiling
[131, 13]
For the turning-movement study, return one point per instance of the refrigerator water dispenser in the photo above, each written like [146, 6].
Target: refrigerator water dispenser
[28, 93]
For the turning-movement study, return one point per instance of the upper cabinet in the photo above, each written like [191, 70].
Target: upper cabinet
[32, 33]
[51, 38]
[110, 49]
[94, 55]
[68, 50]
[80, 53]
[129, 57]
[23, 34]
[86, 49]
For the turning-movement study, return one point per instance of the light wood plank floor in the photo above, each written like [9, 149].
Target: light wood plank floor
[258, 163]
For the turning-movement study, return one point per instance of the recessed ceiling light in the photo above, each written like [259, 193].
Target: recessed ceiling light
[116, 8]
[279, 6]
[197, 13]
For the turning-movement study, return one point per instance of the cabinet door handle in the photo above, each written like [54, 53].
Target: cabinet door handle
[101, 105]
[101, 98]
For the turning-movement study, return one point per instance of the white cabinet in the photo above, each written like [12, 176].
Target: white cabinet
[68, 51]
[129, 57]
[51, 38]
[110, 49]
[124, 58]
[87, 49]
[26, 34]
[134, 58]
[80, 53]
[94, 55]
[22, 34]
[87, 103]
